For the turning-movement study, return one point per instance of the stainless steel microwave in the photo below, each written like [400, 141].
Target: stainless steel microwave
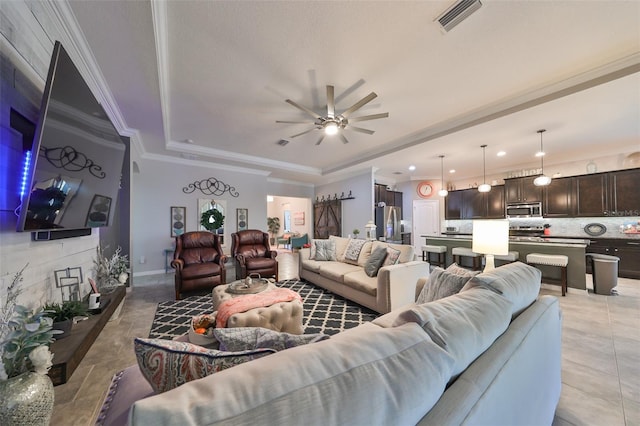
[524, 210]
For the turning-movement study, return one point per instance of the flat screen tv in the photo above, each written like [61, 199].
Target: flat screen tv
[76, 158]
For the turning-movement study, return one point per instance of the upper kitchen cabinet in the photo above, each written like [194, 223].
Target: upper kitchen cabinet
[624, 193]
[471, 204]
[557, 198]
[521, 190]
[591, 195]
[495, 203]
[453, 205]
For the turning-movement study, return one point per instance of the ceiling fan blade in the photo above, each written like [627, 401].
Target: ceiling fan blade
[369, 117]
[331, 105]
[293, 122]
[302, 133]
[320, 140]
[361, 130]
[301, 108]
[344, 139]
[362, 102]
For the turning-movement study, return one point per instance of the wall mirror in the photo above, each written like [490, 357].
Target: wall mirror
[205, 204]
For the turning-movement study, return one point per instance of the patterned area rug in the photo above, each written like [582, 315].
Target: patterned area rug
[324, 312]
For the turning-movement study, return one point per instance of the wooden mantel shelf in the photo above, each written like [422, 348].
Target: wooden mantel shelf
[70, 350]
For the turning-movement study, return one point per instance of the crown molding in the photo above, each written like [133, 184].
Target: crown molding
[204, 164]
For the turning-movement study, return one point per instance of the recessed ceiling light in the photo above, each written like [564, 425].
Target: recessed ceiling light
[539, 154]
[412, 167]
[452, 171]
[501, 154]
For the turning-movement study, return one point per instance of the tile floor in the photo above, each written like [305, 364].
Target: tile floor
[600, 359]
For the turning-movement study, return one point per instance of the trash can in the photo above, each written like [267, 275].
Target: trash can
[604, 272]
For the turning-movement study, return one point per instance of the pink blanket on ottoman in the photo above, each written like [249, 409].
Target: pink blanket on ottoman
[251, 301]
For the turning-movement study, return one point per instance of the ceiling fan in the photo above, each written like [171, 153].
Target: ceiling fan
[332, 123]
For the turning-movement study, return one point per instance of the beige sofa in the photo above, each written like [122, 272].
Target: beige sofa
[487, 355]
[393, 287]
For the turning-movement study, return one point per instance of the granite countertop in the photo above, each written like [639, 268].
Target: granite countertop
[522, 240]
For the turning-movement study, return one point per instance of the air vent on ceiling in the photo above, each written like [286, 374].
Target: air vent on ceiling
[282, 142]
[457, 13]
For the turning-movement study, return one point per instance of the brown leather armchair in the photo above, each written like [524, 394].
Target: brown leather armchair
[253, 254]
[198, 261]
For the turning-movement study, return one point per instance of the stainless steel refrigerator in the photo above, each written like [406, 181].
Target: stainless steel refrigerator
[388, 225]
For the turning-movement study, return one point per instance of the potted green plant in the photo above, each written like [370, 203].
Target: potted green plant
[356, 232]
[273, 224]
[62, 315]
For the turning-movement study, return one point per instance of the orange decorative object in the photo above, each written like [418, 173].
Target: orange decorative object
[425, 189]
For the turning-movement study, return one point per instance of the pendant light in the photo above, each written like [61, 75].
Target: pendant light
[443, 192]
[485, 187]
[542, 180]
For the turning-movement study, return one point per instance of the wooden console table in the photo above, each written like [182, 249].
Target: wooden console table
[70, 350]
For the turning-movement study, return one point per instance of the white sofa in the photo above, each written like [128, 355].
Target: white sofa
[393, 287]
[489, 355]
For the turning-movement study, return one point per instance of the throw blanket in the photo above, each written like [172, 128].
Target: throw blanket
[251, 301]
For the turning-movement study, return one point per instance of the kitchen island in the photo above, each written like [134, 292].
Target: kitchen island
[574, 248]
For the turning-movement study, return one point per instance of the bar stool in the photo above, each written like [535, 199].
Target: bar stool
[551, 260]
[441, 251]
[459, 252]
[510, 257]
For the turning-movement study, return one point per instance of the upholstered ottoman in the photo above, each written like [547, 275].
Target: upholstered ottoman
[279, 316]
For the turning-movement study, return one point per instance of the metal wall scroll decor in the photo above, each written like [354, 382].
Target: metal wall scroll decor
[211, 186]
[335, 197]
[68, 158]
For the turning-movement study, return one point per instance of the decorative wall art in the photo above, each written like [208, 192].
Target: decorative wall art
[98, 211]
[211, 186]
[178, 220]
[68, 281]
[298, 218]
[242, 219]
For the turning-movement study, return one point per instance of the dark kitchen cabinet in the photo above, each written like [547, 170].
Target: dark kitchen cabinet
[397, 198]
[453, 205]
[390, 198]
[474, 204]
[495, 203]
[591, 195]
[627, 250]
[624, 193]
[521, 190]
[557, 198]
[471, 204]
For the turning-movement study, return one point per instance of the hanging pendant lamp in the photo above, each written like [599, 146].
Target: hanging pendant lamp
[542, 180]
[443, 192]
[485, 187]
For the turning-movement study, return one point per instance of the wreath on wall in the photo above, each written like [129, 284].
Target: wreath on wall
[212, 219]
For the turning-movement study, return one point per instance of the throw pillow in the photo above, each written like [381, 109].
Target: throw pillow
[392, 257]
[325, 250]
[167, 364]
[353, 250]
[459, 270]
[375, 261]
[441, 284]
[250, 338]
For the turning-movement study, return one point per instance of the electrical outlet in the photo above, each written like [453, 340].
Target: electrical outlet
[143, 259]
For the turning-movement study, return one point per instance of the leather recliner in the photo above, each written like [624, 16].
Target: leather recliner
[253, 254]
[199, 262]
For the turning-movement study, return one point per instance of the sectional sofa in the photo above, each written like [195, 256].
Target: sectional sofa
[393, 286]
[489, 354]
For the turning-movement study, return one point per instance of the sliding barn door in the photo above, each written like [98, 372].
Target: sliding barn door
[328, 219]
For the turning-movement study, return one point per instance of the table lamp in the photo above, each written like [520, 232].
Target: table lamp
[490, 237]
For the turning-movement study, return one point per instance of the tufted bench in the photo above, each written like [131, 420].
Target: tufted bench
[460, 252]
[281, 316]
[441, 251]
[559, 260]
[510, 257]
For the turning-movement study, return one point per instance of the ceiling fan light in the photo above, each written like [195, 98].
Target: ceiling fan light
[542, 180]
[443, 192]
[331, 128]
[485, 187]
